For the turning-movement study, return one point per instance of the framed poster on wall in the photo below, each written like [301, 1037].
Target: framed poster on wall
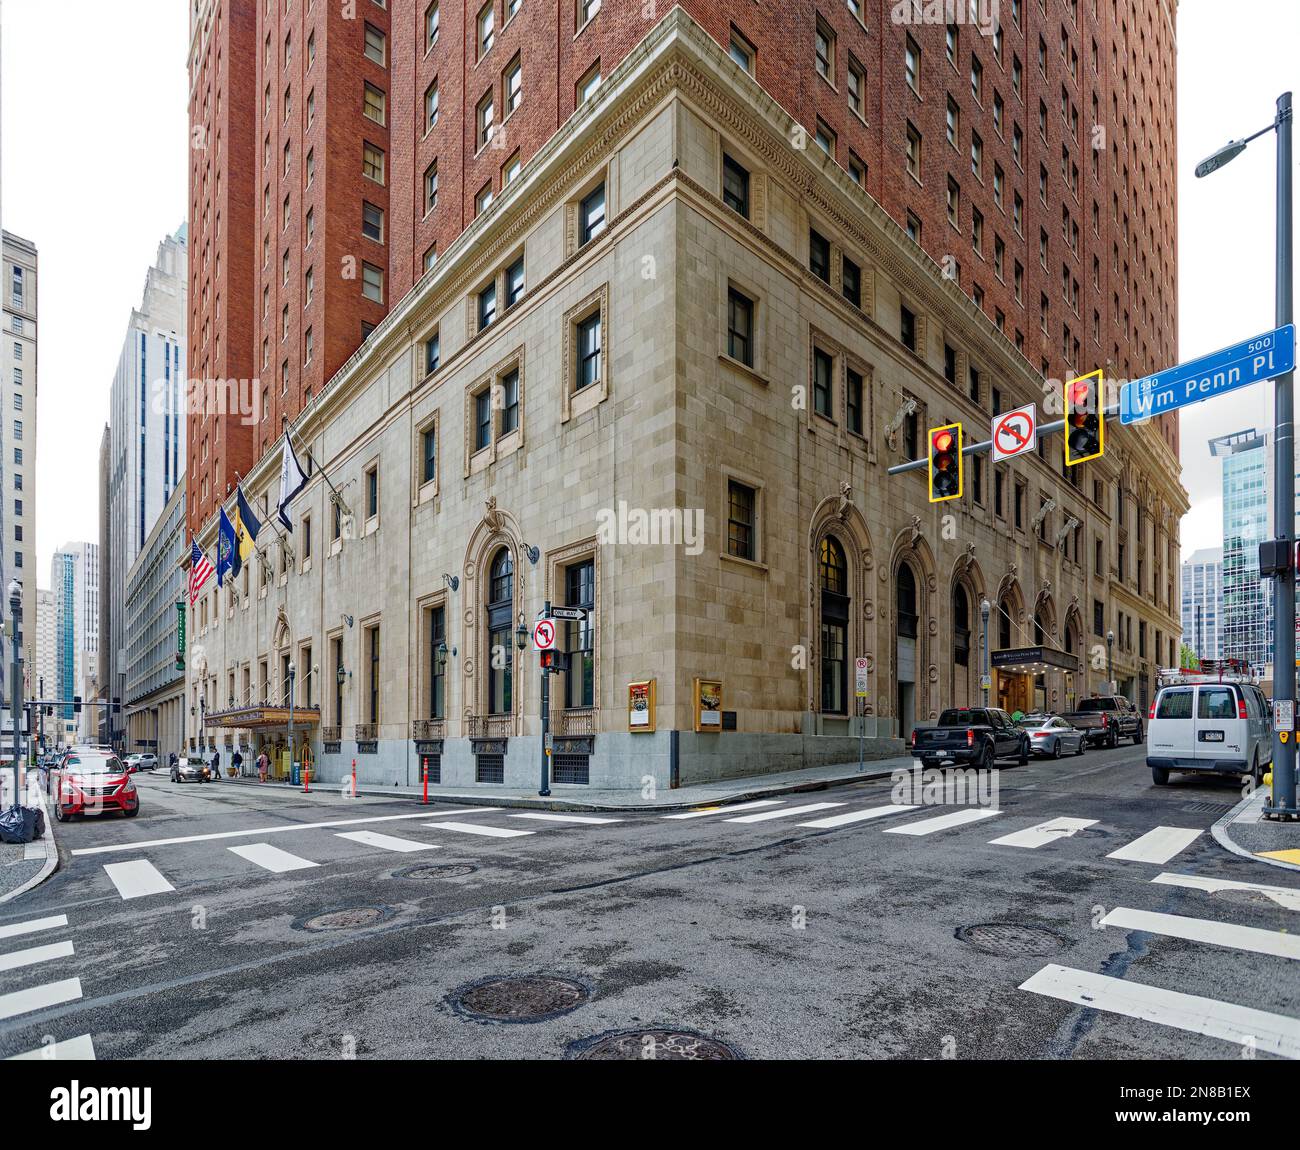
[708, 704]
[641, 705]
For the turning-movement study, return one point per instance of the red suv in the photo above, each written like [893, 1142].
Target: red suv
[94, 781]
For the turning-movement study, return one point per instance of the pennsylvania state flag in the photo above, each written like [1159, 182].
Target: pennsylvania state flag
[246, 526]
[228, 561]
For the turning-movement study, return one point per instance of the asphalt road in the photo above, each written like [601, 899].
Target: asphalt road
[778, 938]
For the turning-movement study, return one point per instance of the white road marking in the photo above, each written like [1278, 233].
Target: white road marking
[268, 831]
[783, 814]
[726, 810]
[478, 829]
[1250, 938]
[32, 925]
[79, 1049]
[1042, 833]
[943, 822]
[858, 816]
[1273, 1033]
[1158, 845]
[39, 997]
[386, 842]
[34, 954]
[1288, 897]
[563, 818]
[271, 858]
[137, 878]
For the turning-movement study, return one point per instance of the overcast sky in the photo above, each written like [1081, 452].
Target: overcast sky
[93, 138]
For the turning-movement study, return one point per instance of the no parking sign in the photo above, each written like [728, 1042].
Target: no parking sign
[1015, 432]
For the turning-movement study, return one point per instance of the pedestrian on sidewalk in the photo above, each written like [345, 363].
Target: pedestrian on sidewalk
[237, 761]
[262, 763]
[216, 764]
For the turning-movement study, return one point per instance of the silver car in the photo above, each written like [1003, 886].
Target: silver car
[1050, 736]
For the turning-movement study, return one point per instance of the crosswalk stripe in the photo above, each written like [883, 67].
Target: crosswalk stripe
[38, 997]
[271, 858]
[34, 954]
[1226, 934]
[764, 816]
[943, 822]
[1158, 845]
[1042, 833]
[858, 816]
[386, 842]
[1272, 1033]
[476, 829]
[137, 878]
[79, 1049]
[726, 810]
[563, 818]
[1288, 897]
[32, 925]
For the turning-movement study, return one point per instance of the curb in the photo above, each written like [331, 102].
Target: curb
[51, 852]
[556, 804]
[1221, 836]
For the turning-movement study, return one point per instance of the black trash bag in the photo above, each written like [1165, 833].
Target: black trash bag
[18, 825]
[39, 828]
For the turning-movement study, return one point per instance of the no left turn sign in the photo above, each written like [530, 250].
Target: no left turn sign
[543, 635]
[1015, 432]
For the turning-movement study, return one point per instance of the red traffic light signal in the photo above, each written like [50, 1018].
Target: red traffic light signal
[1085, 419]
[945, 463]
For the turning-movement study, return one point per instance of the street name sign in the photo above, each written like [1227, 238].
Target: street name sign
[1251, 361]
[1015, 432]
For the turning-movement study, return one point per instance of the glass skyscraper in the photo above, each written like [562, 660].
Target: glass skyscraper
[1202, 607]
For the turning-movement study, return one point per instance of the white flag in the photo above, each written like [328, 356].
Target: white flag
[292, 480]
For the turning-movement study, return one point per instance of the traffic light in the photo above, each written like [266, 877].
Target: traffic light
[945, 463]
[1085, 419]
[555, 661]
[117, 705]
[76, 704]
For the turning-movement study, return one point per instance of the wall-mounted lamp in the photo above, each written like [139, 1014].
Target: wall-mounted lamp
[452, 581]
[521, 633]
[343, 675]
[533, 554]
[442, 651]
[346, 619]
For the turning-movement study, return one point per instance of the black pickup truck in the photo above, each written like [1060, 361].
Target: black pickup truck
[975, 735]
[1105, 719]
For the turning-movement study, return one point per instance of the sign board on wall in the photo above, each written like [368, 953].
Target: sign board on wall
[708, 704]
[641, 705]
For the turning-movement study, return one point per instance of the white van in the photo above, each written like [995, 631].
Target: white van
[1221, 728]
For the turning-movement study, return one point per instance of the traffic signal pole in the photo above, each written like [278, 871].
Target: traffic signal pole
[545, 789]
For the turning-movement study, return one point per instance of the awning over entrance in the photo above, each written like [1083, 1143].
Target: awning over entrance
[263, 718]
[1033, 660]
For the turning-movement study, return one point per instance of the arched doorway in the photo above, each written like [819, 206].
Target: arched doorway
[905, 653]
[960, 688]
[500, 612]
[833, 581]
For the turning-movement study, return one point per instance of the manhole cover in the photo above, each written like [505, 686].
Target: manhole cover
[1011, 939]
[430, 871]
[345, 918]
[519, 998]
[660, 1045]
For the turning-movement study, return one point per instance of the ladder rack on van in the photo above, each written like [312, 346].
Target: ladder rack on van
[1227, 671]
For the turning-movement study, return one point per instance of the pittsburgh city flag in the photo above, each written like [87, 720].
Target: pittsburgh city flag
[228, 561]
[292, 480]
[247, 525]
[200, 570]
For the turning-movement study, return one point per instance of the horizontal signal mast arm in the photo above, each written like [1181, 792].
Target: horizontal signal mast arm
[986, 444]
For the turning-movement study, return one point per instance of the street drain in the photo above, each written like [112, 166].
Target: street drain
[1011, 939]
[345, 918]
[519, 998]
[431, 871]
[659, 1045]
[1207, 808]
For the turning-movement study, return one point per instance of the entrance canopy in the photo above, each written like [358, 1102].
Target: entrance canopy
[264, 718]
[1033, 660]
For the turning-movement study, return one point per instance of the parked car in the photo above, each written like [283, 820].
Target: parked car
[975, 735]
[1050, 736]
[190, 771]
[143, 761]
[1105, 719]
[94, 781]
[1215, 727]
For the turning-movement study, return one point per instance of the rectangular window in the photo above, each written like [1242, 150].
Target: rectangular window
[587, 85]
[372, 647]
[432, 354]
[851, 282]
[580, 591]
[372, 222]
[431, 105]
[372, 283]
[514, 282]
[372, 492]
[487, 306]
[819, 255]
[823, 383]
[912, 65]
[856, 84]
[484, 115]
[483, 419]
[824, 48]
[486, 28]
[438, 666]
[431, 187]
[510, 402]
[591, 216]
[742, 51]
[376, 45]
[589, 351]
[907, 327]
[740, 327]
[375, 105]
[742, 506]
[428, 455]
[372, 163]
[735, 186]
[512, 86]
[853, 400]
[430, 26]
[913, 152]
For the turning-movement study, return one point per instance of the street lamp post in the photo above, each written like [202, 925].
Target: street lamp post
[16, 689]
[1110, 666]
[293, 671]
[1283, 805]
[985, 678]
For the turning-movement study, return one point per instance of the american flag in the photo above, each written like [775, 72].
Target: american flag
[200, 571]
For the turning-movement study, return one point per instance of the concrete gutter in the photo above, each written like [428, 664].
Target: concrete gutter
[36, 798]
[1247, 809]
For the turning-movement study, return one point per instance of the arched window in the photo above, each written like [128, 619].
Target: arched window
[834, 580]
[500, 616]
[960, 626]
[906, 602]
[1040, 629]
[1005, 607]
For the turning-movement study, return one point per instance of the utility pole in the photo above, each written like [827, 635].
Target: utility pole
[986, 678]
[545, 788]
[16, 690]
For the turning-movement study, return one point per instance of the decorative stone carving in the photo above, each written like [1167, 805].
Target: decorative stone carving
[868, 611]
[493, 517]
[933, 676]
[934, 626]
[915, 529]
[846, 501]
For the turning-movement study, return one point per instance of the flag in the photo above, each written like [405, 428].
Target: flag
[200, 571]
[292, 480]
[246, 525]
[228, 561]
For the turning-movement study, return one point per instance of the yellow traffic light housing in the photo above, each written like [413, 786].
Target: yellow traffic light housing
[1085, 419]
[945, 462]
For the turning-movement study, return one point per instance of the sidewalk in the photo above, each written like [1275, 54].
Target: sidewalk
[567, 797]
[25, 865]
[1244, 831]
